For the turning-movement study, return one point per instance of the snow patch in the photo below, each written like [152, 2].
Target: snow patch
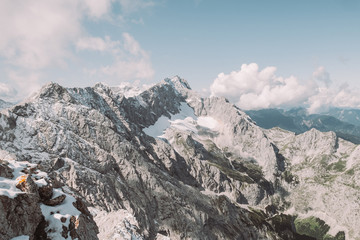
[130, 89]
[157, 130]
[8, 186]
[207, 122]
[41, 182]
[23, 237]
[53, 214]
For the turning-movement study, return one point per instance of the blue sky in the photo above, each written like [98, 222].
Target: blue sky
[308, 51]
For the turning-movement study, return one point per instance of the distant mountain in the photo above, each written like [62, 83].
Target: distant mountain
[347, 115]
[4, 104]
[298, 121]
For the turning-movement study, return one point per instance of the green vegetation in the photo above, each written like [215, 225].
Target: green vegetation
[350, 171]
[254, 171]
[312, 227]
[339, 236]
[324, 161]
[338, 166]
[289, 177]
[325, 178]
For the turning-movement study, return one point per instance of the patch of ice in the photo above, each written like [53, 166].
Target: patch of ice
[8, 186]
[41, 182]
[187, 124]
[208, 122]
[157, 130]
[23, 237]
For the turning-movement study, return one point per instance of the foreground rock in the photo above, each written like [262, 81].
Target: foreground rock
[19, 216]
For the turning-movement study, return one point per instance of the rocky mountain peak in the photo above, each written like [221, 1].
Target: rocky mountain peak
[168, 164]
[178, 82]
[54, 91]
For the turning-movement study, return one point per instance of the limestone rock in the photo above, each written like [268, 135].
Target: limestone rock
[45, 192]
[5, 171]
[26, 184]
[19, 216]
[55, 201]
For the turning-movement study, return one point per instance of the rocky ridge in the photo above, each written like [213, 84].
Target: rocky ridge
[211, 173]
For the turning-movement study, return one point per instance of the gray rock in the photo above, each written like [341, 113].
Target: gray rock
[19, 216]
[5, 171]
[27, 184]
[45, 192]
[55, 201]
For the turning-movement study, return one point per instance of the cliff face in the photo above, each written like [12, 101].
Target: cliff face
[162, 164]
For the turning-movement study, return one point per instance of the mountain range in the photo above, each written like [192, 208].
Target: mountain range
[166, 163]
[343, 122]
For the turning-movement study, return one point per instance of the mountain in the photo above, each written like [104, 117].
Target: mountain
[351, 116]
[4, 104]
[165, 163]
[298, 121]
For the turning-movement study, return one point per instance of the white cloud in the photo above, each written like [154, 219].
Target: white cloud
[130, 61]
[130, 6]
[7, 91]
[320, 74]
[96, 44]
[26, 82]
[343, 97]
[37, 36]
[250, 88]
[97, 8]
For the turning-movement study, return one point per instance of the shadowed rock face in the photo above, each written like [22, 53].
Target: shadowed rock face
[19, 216]
[187, 185]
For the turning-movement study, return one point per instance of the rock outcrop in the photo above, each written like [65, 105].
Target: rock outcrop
[19, 216]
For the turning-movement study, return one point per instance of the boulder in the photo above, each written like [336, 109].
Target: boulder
[26, 184]
[55, 201]
[45, 192]
[19, 216]
[5, 171]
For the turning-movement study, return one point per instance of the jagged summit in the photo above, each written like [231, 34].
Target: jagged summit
[178, 82]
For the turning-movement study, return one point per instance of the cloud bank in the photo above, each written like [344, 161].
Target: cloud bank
[129, 60]
[37, 36]
[252, 88]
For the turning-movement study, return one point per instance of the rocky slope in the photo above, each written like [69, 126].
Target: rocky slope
[168, 164]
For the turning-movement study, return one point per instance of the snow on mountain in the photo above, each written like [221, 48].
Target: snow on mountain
[185, 113]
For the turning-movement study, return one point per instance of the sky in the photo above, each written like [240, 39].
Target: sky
[259, 53]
